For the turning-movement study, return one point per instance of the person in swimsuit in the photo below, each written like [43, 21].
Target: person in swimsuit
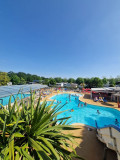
[72, 110]
[98, 111]
[116, 122]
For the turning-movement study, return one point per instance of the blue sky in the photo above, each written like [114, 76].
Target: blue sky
[67, 38]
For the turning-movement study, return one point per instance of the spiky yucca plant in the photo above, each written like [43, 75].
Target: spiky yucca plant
[32, 131]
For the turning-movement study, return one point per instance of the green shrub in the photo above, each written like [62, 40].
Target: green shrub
[32, 131]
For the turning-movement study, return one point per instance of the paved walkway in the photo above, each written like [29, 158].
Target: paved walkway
[90, 148]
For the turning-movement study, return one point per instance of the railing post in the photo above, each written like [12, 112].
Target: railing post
[96, 124]
[105, 153]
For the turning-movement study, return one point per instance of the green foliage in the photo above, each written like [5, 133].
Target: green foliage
[22, 81]
[87, 82]
[112, 82]
[96, 82]
[4, 79]
[104, 80]
[71, 80]
[58, 79]
[52, 81]
[15, 79]
[79, 80]
[22, 75]
[33, 131]
[117, 79]
[64, 80]
[29, 78]
[46, 81]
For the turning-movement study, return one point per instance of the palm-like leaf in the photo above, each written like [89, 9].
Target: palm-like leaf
[34, 132]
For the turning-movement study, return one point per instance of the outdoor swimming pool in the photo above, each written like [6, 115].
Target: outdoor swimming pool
[86, 114]
[4, 101]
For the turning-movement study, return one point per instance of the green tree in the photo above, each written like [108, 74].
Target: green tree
[11, 74]
[46, 81]
[15, 79]
[4, 79]
[29, 78]
[79, 80]
[96, 82]
[117, 79]
[35, 77]
[22, 81]
[65, 80]
[34, 132]
[22, 75]
[58, 79]
[87, 82]
[112, 82]
[71, 80]
[52, 81]
[104, 80]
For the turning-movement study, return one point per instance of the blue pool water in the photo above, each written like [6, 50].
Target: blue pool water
[86, 114]
[4, 101]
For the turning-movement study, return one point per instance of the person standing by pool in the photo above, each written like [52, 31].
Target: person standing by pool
[70, 97]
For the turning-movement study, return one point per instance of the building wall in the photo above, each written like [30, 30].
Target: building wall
[111, 137]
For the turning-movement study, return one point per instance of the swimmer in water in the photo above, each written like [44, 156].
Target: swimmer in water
[116, 122]
[66, 101]
[72, 110]
[81, 105]
[85, 104]
[98, 111]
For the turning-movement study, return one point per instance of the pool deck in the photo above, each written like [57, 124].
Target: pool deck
[89, 147]
[86, 98]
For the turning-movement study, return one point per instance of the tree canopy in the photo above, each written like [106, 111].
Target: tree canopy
[23, 78]
[79, 80]
[4, 78]
[52, 81]
[71, 80]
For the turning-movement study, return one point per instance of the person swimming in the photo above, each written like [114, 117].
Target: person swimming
[81, 105]
[116, 122]
[66, 101]
[72, 110]
[85, 104]
[98, 111]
